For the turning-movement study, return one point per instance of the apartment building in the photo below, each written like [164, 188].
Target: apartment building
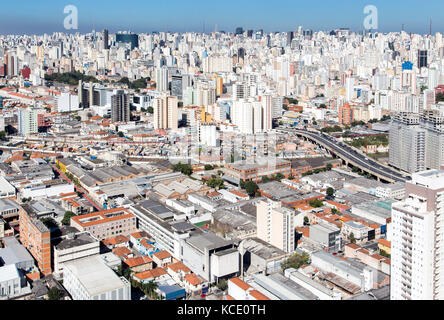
[417, 237]
[275, 224]
[254, 171]
[106, 224]
[35, 237]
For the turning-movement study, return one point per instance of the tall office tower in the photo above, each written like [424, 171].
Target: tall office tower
[407, 143]
[128, 37]
[120, 108]
[91, 94]
[166, 112]
[162, 79]
[433, 122]
[417, 248]
[239, 31]
[27, 121]
[429, 99]
[289, 38]
[105, 39]
[80, 93]
[422, 58]
[275, 224]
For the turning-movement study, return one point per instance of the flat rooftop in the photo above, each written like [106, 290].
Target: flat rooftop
[95, 276]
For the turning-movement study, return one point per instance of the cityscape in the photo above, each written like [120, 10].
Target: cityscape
[222, 165]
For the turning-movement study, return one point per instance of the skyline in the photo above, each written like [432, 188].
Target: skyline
[176, 16]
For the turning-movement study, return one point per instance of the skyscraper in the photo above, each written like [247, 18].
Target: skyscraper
[422, 58]
[417, 238]
[120, 109]
[105, 39]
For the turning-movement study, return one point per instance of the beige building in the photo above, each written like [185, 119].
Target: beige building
[275, 224]
[166, 112]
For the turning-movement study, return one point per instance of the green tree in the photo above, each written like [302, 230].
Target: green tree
[352, 238]
[216, 182]
[329, 166]
[265, 179]
[120, 134]
[251, 188]
[183, 168]
[279, 176]
[149, 288]
[54, 294]
[330, 192]
[315, 203]
[150, 110]
[295, 261]
[306, 221]
[208, 167]
[66, 221]
[222, 285]
[2, 135]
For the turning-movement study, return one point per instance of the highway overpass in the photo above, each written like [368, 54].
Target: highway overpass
[350, 155]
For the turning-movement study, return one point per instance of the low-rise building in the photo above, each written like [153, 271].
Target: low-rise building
[91, 279]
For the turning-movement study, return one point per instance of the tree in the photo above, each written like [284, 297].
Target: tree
[208, 167]
[216, 182]
[183, 168]
[330, 192]
[150, 110]
[89, 115]
[279, 176]
[329, 166]
[251, 188]
[295, 261]
[222, 285]
[265, 179]
[306, 221]
[66, 221]
[352, 238]
[120, 134]
[2, 135]
[54, 294]
[315, 203]
[149, 288]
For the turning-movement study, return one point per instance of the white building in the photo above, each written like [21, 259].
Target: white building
[417, 236]
[91, 279]
[68, 102]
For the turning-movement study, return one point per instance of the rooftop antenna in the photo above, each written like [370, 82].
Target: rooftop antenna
[203, 27]
[430, 26]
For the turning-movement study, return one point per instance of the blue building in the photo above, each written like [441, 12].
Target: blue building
[1, 102]
[407, 65]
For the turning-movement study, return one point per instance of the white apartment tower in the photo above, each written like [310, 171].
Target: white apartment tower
[275, 224]
[417, 250]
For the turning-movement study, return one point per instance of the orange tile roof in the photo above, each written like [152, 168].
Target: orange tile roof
[239, 194]
[115, 240]
[137, 235]
[258, 296]
[352, 245]
[385, 243]
[121, 251]
[193, 279]
[137, 261]
[241, 284]
[155, 273]
[213, 194]
[179, 266]
[104, 219]
[161, 255]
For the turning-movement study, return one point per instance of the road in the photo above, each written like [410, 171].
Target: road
[350, 155]
[79, 189]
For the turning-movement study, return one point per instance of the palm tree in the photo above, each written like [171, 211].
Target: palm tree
[149, 288]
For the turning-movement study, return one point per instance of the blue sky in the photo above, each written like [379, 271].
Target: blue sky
[40, 16]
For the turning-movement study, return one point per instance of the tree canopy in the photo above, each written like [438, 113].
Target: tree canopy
[295, 261]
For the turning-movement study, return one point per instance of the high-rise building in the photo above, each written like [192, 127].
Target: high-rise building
[407, 143]
[433, 122]
[239, 31]
[130, 38]
[417, 238]
[219, 86]
[166, 112]
[120, 108]
[105, 39]
[422, 58]
[162, 79]
[275, 224]
[345, 114]
[27, 121]
[176, 86]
